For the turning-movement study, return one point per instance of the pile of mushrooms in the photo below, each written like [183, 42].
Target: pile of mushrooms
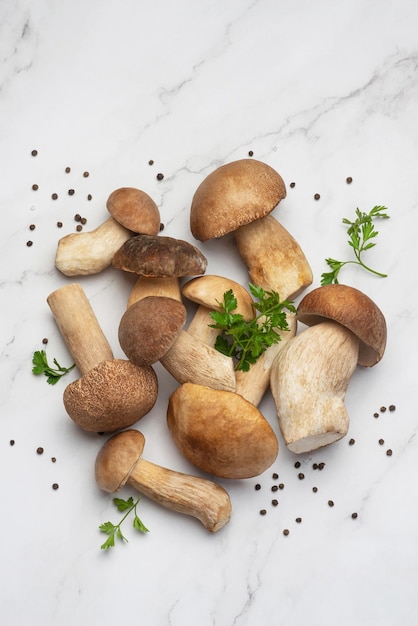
[212, 416]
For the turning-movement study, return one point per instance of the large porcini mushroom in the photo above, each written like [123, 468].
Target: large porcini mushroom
[238, 197]
[119, 462]
[310, 376]
[131, 211]
[220, 432]
[112, 393]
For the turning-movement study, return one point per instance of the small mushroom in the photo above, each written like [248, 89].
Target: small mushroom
[112, 393]
[149, 328]
[310, 376]
[238, 197]
[131, 211]
[119, 462]
[220, 432]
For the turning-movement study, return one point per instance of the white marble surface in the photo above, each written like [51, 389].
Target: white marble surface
[319, 90]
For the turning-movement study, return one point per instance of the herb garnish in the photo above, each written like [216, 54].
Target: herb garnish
[115, 529]
[41, 366]
[246, 341]
[360, 233]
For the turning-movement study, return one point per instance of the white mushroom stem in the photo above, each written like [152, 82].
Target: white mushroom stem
[91, 252]
[309, 379]
[150, 286]
[252, 385]
[274, 259]
[79, 327]
[191, 360]
[200, 326]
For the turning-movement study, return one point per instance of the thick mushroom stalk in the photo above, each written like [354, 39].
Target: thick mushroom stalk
[112, 393]
[309, 379]
[119, 463]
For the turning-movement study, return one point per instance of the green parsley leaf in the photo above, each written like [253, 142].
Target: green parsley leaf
[246, 341]
[114, 530]
[41, 366]
[361, 233]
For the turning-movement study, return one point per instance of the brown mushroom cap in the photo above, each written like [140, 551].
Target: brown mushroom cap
[209, 290]
[135, 210]
[160, 257]
[233, 195]
[113, 395]
[220, 432]
[117, 459]
[354, 310]
[149, 328]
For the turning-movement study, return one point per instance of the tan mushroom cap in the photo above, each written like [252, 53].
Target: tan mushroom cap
[135, 210]
[354, 310]
[161, 257]
[234, 194]
[208, 290]
[149, 328]
[113, 395]
[117, 459]
[220, 432]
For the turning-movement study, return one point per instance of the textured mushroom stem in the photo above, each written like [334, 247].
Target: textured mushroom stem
[309, 379]
[274, 259]
[79, 327]
[191, 495]
[200, 326]
[90, 252]
[191, 360]
[252, 385]
[150, 286]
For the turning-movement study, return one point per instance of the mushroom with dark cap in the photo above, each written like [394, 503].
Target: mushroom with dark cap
[310, 376]
[239, 197]
[112, 393]
[119, 462]
[131, 211]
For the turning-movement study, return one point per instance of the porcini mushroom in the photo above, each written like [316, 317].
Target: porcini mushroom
[238, 197]
[112, 393]
[220, 432]
[119, 462]
[131, 211]
[310, 376]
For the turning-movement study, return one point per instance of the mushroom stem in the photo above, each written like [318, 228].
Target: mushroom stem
[79, 327]
[200, 326]
[274, 259]
[191, 495]
[90, 252]
[309, 379]
[154, 286]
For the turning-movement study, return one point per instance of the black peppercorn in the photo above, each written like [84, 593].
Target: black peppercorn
[330, 503]
[160, 176]
[348, 180]
[317, 196]
[351, 442]
[59, 224]
[86, 174]
[71, 192]
[281, 486]
[89, 197]
[34, 153]
[35, 187]
[301, 476]
[263, 512]
[381, 442]
[292, 185]
[79, 228]
[286, 532]
[354, 515]
[274, 488]
[250, 153]
[392, 407]
[275, 502]
[298, 520]
[389, 452]
[314, 489]
[29, 243]
[375, 414]
[257, 487]
[150, 162]
[39, 450]
[12, 442]
[53, 459]
[45, 340]
[55, 486]
[382, 409]
[162, 227]
[68, 170]
[275, 476]
[32, 227]
[321, 466]
[297, 464]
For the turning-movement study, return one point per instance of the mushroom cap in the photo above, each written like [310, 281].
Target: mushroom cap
[354, 310]
[117, 459]
[113, 395]
[135, 210]
[220, 432]
[149, 328]
[233, 195]
[209, 290]
[162, 257]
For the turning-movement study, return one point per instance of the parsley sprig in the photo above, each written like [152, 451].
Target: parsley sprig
[246, 341]
[41, 366]
[360, 233]
[114, 530]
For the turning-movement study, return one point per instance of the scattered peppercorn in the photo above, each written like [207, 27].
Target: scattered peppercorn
[281, 486]
[389, 452]
[275, 476]
[250, 153]
[330, 503]
[275, 502]
[83, 220]
[45, 340]
[354, 515]
[314, 489]
[34, 153]
[286, 532]
[263, 512]
[55, 486]
[315, 466]
[53, 459]
[160, 176]
[59, 224]
[162, 227]
[297, 464]
[12, 442]
[79, 228]
[86, 174]
[381, 442]
[35, 187]
[301, 476]
[392, 407]
[348, 180]
[257, 487]
[150, 162]
[29, 243]
[54, 196]
[375, 414]
[292, 185]
[351, 442]
[71, 192]
[77, 217]
[317, 196]
[68, 170]
[274, 488]
[32, 227]
[298, 520]
[39, 450]
[89, 197]
[321, 466]
[382, 409]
